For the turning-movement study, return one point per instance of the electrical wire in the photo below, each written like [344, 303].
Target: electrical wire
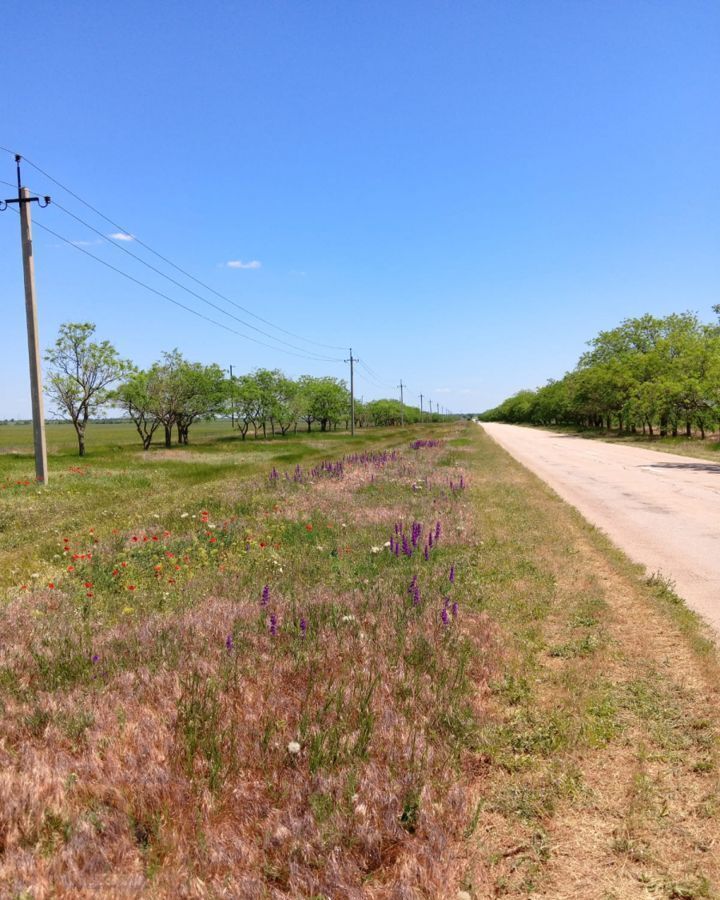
[169, 262]
[172, 300]
[182, 286]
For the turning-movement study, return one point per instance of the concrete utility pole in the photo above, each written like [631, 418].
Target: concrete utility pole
[402, 405]
[352, 361]
[421, 410]
[24, 200]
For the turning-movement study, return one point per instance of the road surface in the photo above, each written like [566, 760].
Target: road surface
[663, 510]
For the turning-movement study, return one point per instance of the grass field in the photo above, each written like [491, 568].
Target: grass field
[411, 675]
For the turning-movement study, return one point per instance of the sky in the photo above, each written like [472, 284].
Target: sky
[463, 192]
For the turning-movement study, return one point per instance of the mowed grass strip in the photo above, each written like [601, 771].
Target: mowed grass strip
[176, 730]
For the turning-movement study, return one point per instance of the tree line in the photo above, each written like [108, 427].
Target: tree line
[86, 376]
[650, 374]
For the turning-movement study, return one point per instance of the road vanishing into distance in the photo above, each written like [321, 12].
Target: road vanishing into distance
[663, 510]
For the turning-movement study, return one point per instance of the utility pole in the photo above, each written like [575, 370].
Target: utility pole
[430, 405]
[352, 362]
[232, 398]
[23, 201]
[421, 410]
[402, 405]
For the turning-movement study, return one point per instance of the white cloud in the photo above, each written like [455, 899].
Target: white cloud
[239, 264]
[121, 236]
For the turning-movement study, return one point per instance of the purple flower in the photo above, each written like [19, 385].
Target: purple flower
[455, 609]
[438, 530]
[427, 553]
[273, 624]
[95, 658]
[303, 627]
[415, 591]
[445, 617]
[430, 539]
[452, 574]
[265, 595]
[406, 547]
[229, 643]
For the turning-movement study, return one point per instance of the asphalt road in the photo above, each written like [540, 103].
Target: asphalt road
[663, 510]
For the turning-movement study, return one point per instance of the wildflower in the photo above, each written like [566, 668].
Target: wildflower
[438, 530]
[229, 643]
[452, 574]
[265, 595]
[348, 618]
[184, 515]
[375, 549]
[71, 568]
[293, 748]
[94, 658]
[427, 553]
[88, 584]
[128, 610]
[455, 610]
[303, 627]
[131, 587]
[445, 617]
[273, 624]
[308, 527]
[388, 544]
[51, 585]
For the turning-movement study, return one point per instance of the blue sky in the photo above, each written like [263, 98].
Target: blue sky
[465, 192]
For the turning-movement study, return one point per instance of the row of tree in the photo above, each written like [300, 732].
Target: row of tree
[87, 377]
[658, 375]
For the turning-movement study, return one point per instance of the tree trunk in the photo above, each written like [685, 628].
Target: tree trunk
[168, 436]
[688, 429]
[81, 442]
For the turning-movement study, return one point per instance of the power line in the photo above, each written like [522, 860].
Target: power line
[182, 286]
[177, 302]
[169, 262]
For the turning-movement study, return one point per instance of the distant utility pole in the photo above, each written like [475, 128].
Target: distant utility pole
[352, 362]
[421, 410]
[402, 405]
[23, 201]
[232, 398]
[430, 405]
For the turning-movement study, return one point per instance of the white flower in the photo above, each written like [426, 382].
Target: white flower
[293, 748]
[184, 515]
[156, 515]
[375, 549]
[35, 575]
[348, 618]
[387, 544]
[343, 525]
[211, 526]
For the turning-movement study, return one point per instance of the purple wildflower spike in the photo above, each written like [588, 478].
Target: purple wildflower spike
[455, 610]
[229, 643]
[95, 658]
[273, 624]
[430, 540]
[265, 595]
[427, 553]
[438, 530]
[445, 617]
[452, 574]
[303, 627]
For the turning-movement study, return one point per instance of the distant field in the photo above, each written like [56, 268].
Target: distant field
[412, 674]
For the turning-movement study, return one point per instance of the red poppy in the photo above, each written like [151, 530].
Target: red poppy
[71, 568]
[308, 527]
[131, 587]
[88, 584]
[51, 585]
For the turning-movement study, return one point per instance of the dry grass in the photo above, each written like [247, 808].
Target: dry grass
[558, 739]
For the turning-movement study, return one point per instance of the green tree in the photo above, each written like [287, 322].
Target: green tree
[81, 375]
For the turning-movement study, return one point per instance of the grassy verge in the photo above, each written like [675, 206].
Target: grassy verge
[247, 684]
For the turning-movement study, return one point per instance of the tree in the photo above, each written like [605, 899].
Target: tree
[324, 400]
[135, 398]
[81, 374]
